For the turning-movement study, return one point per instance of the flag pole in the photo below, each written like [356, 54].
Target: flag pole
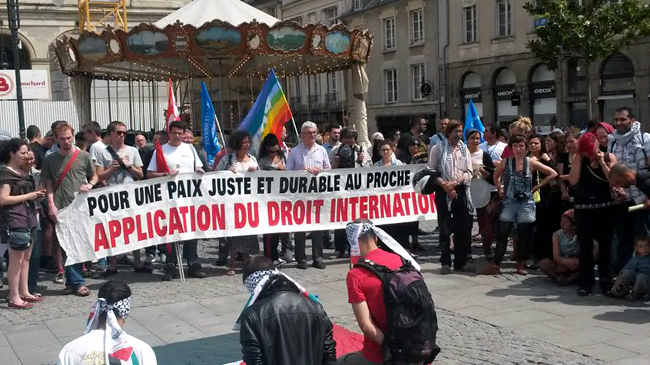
[295, 128]
[223, 140]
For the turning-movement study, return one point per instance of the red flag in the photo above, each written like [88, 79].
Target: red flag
[161, 163]
[172, 111]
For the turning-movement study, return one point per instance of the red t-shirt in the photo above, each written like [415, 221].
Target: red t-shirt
[507, 152]
[364, 286]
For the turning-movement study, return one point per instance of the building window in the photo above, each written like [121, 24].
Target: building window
[389, 34]
[357, 4]
[417, 26]
[504, 18]
[417, 79]
[333, 82]
[469, 20]
[272, 11]
[330, 15]
[391, 85]
[315, 84]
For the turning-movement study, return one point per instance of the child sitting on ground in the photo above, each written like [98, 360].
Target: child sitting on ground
[564, 266]
[634, 280]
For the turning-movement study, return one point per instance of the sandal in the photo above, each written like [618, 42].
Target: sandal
[81, 291]
[230, 272]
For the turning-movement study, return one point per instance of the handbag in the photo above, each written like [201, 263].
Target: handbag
[537, 197]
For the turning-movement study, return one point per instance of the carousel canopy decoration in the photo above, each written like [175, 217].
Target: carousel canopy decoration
[214, 49]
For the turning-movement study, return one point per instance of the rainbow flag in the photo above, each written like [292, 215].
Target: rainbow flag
[269, 113]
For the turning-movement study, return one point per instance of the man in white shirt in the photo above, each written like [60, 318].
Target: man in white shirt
[93, 133]
[492, 145]
[438, 137]
[181, 158]
[312, 158]
[105, 341]
[119, 164]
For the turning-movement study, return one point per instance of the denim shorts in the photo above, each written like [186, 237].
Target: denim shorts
[515, 211]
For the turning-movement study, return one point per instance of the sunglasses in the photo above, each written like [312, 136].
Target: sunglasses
[120, 133]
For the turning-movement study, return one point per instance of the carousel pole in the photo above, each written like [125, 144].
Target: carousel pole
[229, 98]
[238, 104]
[141, 102]
[191, 86]
[308, 98]
[221, 92]
[131, 104]
[94, 101]
[154, 88]
[327, 102]
[108, 90]
[117, 101]
[151, 101]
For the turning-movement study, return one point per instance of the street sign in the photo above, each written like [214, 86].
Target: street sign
[34, 82]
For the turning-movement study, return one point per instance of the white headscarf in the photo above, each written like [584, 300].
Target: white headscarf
[113, 330]
[356, 230]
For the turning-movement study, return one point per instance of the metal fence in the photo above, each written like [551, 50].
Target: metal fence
[43, 113]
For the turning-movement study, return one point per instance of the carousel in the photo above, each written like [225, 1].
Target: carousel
[227, 44]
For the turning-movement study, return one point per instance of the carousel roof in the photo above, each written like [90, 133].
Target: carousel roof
[198, 12]
[148, 52]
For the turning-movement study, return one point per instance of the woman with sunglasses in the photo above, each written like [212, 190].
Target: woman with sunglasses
[272, 158]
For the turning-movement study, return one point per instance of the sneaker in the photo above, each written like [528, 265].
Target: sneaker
[302, 264]
[58, 279]
[163, 258]
[107, 273]
[319, 265]
[583, 292]
[288, 257]
[196, 271]
[142, 269]
[521, 269]
[150, 259]
[337, 255]
[279, 262]
[446, 269]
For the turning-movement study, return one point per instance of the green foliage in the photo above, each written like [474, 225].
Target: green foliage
[586, 32]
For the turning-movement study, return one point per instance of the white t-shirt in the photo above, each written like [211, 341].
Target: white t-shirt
[96, 150]
[89, 350]
[120, 176]
[182, 158]
[494, 151]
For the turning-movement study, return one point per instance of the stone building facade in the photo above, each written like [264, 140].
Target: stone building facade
[489, 63]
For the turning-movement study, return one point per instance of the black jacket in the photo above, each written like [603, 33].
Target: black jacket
[283, 327]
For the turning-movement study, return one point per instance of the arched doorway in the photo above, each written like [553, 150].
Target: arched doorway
[7, 54]
[542, 96]
[504, 88]
[471, 90]
[616, 85]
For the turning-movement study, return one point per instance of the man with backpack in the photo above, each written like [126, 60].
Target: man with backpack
[384, 286]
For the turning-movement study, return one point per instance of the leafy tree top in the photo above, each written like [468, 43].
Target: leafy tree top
[586, 30]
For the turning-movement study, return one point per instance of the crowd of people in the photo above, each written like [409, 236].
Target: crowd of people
[566, 201]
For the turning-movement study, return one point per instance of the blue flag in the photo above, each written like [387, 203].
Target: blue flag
[473, 121]
[209, 125]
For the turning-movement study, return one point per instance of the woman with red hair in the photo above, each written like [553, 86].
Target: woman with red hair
[593, 211]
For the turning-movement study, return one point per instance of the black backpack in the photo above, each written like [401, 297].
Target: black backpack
[410, 314]
[346, 156]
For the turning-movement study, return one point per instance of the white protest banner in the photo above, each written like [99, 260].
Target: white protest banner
[122, 218]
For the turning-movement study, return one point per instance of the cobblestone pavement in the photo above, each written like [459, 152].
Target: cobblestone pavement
[207, 307]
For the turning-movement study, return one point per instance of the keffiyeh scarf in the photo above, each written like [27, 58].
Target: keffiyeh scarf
[625, 146]
[113, 330]
[256, 283]
[356, 230]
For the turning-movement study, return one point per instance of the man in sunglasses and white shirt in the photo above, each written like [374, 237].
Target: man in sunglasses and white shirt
[118, 164]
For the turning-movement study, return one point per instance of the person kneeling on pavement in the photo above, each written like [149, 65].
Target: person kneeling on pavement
[282, 323]
[105, 342]
[633, 282]
[390, 300]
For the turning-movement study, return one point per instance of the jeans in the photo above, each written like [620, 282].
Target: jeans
[316, 246]
[458, 221]
[628, 225]
[628, 279]
[73, 277]
[515, 211]
[522, 243]
[341, 241]
[190, 253]
[35, 262]
[595, 224]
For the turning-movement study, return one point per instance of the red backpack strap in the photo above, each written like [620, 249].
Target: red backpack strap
[66, 170]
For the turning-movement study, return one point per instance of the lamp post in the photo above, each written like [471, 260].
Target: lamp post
[14, 25]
